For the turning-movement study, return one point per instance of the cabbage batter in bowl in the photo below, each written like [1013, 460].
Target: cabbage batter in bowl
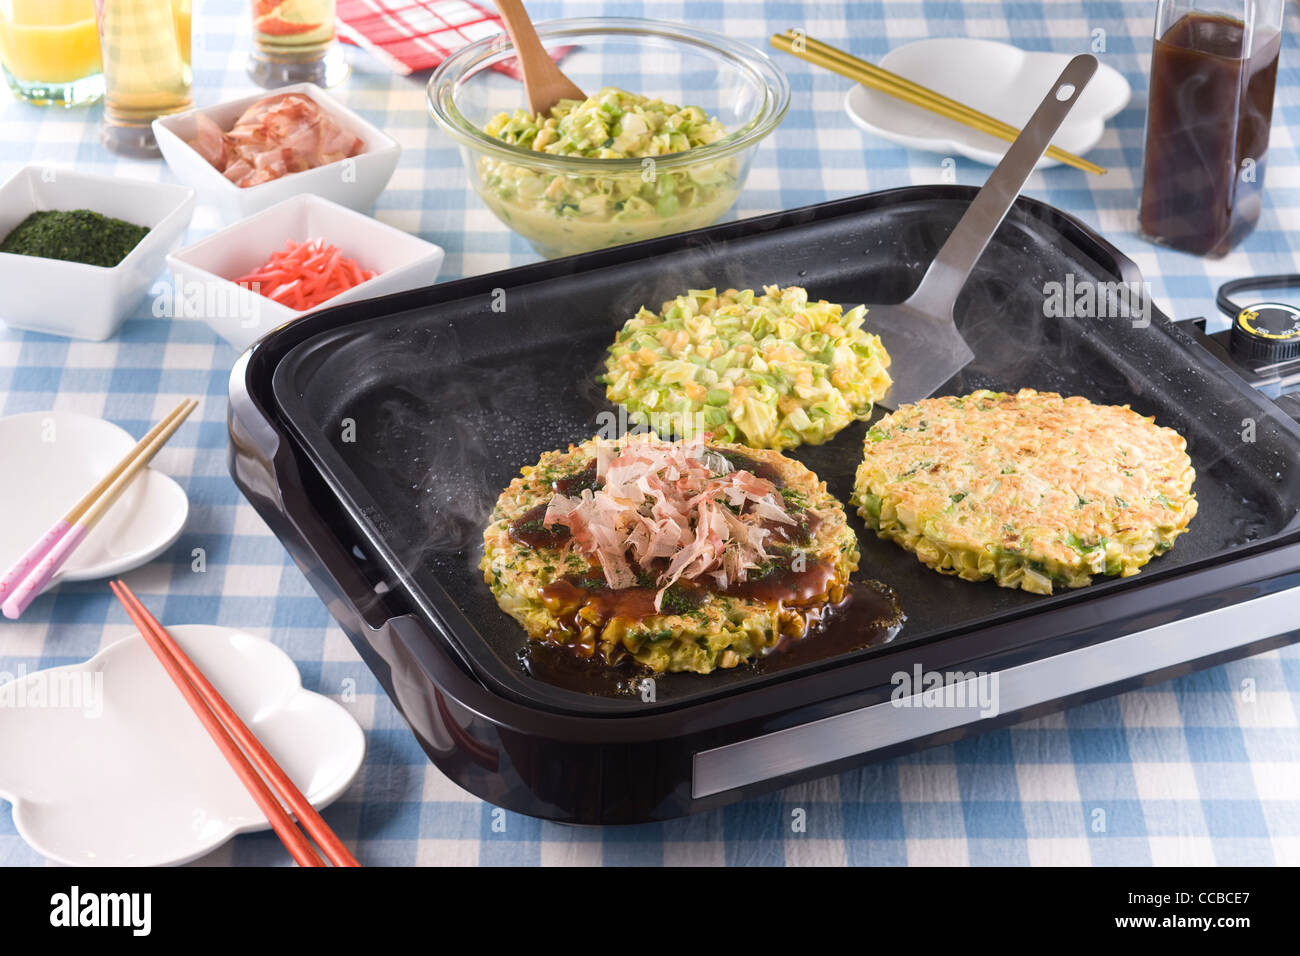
[563, 213]
[618, 166]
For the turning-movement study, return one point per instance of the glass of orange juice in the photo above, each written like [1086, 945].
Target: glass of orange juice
[293, 42]
[49, 51]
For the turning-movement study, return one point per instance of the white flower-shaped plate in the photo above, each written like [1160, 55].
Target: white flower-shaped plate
[995, 78]
[51, 460]
[106, 765]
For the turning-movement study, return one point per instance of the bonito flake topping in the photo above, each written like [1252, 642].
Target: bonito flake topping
[680, 503]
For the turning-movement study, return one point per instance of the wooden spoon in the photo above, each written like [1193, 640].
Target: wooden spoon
[544, 83]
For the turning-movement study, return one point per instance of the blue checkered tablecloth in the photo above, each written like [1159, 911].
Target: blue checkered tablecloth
[1192, 771]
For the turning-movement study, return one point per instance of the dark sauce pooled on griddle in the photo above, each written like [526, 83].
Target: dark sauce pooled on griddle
[869, 616]
[559, 666]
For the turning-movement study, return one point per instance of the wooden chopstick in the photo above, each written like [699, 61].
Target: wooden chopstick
[96, 509]
[66, 536]
[42, 545]
[88, 499]
[231, 734]
[878, 78]
[968, 114]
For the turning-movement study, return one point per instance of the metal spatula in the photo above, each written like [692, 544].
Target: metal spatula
[922, 340]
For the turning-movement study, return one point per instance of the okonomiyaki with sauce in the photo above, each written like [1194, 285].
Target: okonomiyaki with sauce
[682, 556]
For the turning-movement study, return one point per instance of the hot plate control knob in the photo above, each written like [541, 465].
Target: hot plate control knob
[1266, 332]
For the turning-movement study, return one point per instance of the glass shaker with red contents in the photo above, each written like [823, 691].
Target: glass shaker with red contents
[1213, 70]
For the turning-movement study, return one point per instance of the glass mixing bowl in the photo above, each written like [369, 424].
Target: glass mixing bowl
[570, 204]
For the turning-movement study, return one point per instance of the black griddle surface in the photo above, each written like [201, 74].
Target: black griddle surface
[418, 418]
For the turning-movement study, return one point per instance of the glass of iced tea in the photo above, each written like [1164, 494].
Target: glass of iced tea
[49, 51]
[145, 46]
[1213, 69]
[293, 42]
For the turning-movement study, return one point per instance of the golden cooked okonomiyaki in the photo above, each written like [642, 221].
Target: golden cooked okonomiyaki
[1029, 489]
[771, 370]
[683, 556]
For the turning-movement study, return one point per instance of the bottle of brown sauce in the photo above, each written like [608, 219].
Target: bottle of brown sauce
[1208, 117]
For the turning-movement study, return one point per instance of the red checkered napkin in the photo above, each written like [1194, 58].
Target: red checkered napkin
[414, 35]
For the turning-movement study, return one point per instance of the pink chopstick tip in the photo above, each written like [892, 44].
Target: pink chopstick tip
[39, 549]
[35, 582]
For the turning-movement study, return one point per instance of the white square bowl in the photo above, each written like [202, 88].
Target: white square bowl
[72, 298]
[203, 272]
[355, 182]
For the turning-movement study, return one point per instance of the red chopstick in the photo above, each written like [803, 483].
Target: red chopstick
[230, 734]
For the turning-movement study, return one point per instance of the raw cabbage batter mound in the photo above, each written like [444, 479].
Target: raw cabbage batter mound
[1032, 490]
[683, 556]
[564, 212]
[613, 124]
[772, 370]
